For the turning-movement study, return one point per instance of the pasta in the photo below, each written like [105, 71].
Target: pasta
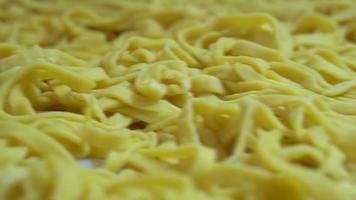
[178, 99]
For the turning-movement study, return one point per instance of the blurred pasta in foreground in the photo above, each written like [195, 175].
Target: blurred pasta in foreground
[178, 99]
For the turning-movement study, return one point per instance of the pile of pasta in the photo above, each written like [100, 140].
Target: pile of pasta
[178, 99]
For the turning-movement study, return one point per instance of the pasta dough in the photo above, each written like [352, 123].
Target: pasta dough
[178, 99]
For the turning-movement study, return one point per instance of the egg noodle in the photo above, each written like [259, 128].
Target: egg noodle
[178, 99]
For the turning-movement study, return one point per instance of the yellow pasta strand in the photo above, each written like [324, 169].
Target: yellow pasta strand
[178, 99]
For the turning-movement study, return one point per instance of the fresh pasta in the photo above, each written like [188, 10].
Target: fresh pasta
[178, 99]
